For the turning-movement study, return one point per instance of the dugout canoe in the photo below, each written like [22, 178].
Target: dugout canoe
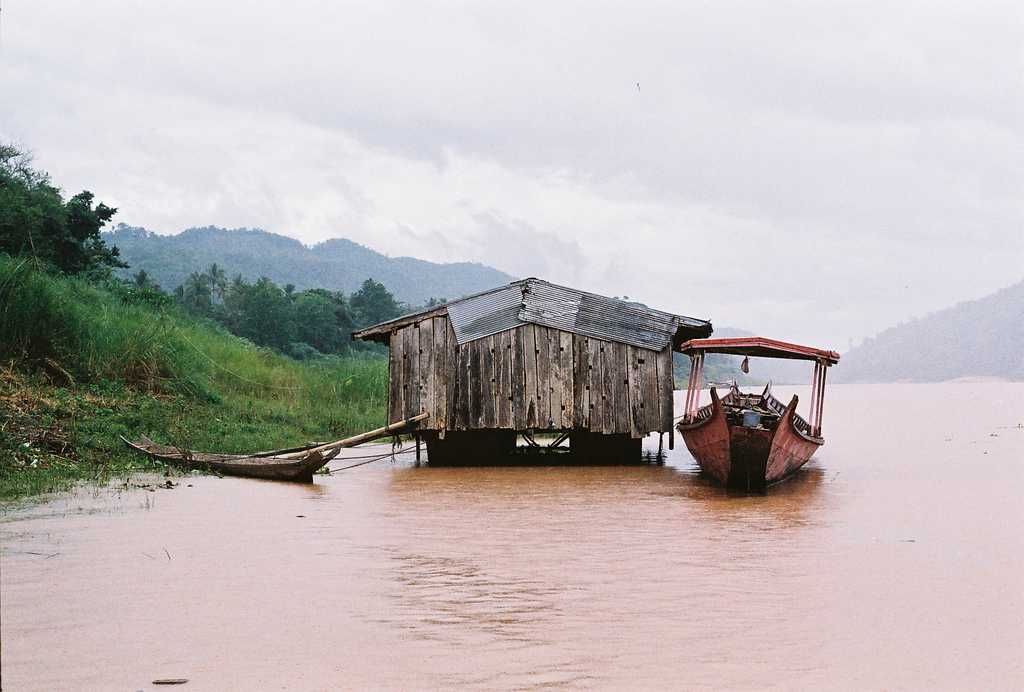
[247, 466]
[295, 464]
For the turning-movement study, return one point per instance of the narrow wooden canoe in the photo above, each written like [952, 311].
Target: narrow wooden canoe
[294, 464]
[248, 466]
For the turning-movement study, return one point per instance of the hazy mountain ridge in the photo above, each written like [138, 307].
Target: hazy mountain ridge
[337, 264]
[721, 368]
[978, 338]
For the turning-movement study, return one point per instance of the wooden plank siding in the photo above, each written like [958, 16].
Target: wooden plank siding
[518, 375]
[581, 382]
[527, 378]
[396, 402]
[595, 353]
[410, 370]
[425, 373]
[439, 409]
[666, 385]
[567, 378]
[503, 379]
[530, 370]
[635, 371]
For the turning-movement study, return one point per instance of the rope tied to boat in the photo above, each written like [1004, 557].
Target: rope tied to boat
[391, 454]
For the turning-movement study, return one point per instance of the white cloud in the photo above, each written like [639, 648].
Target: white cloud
[809, 170]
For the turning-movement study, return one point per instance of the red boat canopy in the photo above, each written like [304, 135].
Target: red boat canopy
[759, 346]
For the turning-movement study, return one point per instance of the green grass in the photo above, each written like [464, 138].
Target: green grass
[83, 364]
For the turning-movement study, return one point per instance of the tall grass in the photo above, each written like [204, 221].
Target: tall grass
[69, 324]
[156, 370]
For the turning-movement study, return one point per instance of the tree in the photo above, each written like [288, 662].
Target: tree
[35, 220]
[322, 320]
[218, 280]
[315, 322]
[373, 303]
[195, 294]
[80, 247]
[262, 313]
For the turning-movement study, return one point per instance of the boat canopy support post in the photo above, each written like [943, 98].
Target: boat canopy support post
[817, 397]
[821, 397]
[693, 387]
[689, 387]
[698, 384]
[814, 395]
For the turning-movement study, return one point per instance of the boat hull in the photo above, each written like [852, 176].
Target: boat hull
[747, 458]
[269, 468]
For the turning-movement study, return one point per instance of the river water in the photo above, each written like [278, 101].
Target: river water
[895, 560]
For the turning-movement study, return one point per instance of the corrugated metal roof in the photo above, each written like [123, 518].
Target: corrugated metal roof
[487, 313]
[539, 302]
[598, 316]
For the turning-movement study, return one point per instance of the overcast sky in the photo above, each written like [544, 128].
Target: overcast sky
[808, 170]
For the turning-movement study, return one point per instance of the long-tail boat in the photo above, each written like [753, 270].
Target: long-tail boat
[751, 441]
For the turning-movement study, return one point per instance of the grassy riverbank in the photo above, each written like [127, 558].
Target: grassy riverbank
[81, 364]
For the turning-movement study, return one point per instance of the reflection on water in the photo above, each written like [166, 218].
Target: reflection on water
[894, 560]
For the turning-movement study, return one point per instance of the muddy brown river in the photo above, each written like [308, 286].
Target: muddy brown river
[895, 560]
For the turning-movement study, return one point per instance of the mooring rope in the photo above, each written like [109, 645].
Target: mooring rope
[376, 456]
[363, 463]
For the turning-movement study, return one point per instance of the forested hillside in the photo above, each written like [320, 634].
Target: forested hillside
[983, 337]
[336, 264]
[85, 357]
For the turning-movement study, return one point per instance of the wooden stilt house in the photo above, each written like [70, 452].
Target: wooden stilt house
[533, 357]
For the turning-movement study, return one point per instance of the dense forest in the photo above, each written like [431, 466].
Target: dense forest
[302, 324]
[977, 338]
[335, 265]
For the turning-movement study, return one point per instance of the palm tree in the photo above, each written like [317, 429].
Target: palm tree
[218, 281]
[196, 293]
[141, 279]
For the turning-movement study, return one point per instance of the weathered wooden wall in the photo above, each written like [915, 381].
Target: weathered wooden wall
[530, 377]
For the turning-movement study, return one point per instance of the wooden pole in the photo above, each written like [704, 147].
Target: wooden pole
[814, 396]
[698, 384]
[417, 449]
[361, 437]
[821, 397]
[689, 386]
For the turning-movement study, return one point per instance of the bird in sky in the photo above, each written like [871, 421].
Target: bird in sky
[638, 87]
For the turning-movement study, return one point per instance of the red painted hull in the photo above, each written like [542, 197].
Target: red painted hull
[748, 458]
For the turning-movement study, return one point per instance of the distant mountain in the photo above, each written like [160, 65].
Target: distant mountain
[337, 264]
[980, 338]
[721, 368]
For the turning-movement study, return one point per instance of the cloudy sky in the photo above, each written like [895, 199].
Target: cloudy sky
[808, 170]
